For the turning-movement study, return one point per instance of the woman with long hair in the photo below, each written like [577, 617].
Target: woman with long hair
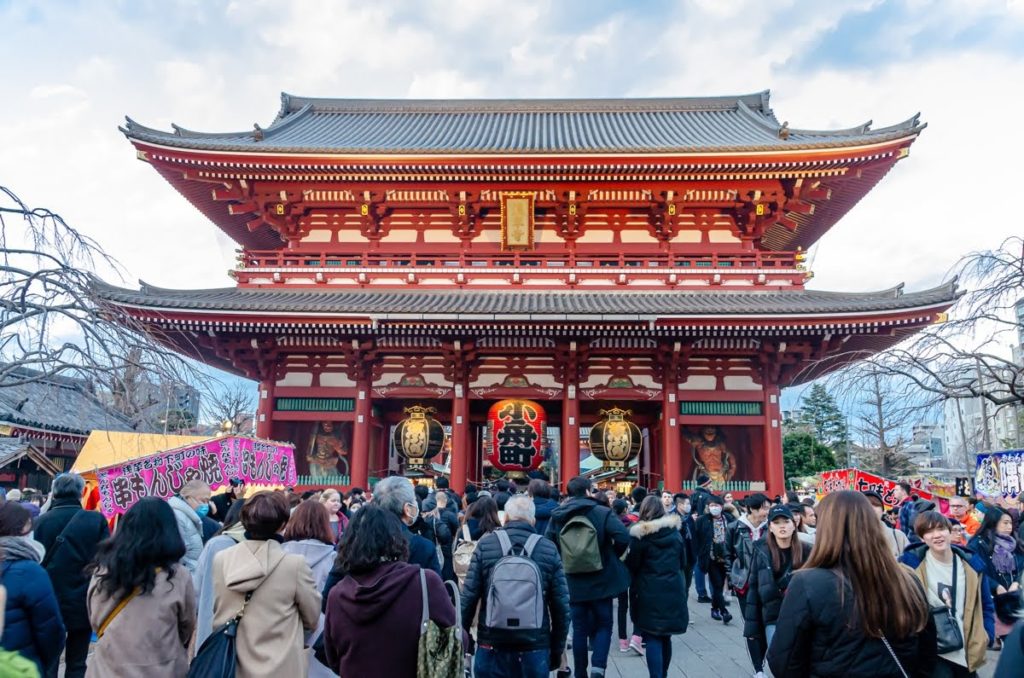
[657, 559]
[373, 614]
[231, 533]
[852, 610]
[1003, 555]
[331, 500]
[32, 623]
[482, 517]
[141, 603]
[273, 589]
[773, 561]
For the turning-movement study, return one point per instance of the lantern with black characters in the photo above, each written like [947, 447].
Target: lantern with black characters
[419, 436]
[615, 440]
[516, 431]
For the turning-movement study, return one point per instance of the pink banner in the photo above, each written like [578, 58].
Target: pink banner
[217, 461]
[861, 481]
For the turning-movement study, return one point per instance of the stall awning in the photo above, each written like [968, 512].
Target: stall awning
[106, 448]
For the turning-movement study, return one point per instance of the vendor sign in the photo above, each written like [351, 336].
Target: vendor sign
[217, 461]
[862, 481]
[1000, 474]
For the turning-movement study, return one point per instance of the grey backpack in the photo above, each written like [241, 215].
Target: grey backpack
[515, 594]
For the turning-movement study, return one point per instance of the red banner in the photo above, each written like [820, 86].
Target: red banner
[862, 481]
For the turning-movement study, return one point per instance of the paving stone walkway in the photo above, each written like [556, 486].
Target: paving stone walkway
[710, 650]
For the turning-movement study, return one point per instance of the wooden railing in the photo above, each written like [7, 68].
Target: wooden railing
[334, 260]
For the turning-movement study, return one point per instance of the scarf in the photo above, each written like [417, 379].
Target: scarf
[1003, 554]
[21, 548]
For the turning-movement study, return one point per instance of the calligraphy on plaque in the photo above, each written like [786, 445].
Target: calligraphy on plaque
[516, 429]
[517, 221]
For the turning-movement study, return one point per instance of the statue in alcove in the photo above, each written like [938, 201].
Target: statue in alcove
[711, 455]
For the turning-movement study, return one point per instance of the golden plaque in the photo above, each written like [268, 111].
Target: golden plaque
[517, 221]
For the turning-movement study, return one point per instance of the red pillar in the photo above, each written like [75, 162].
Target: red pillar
[774, 472]
[460, 438]
[569, 458]
[361, 436]
[670, 453]
[265, 409]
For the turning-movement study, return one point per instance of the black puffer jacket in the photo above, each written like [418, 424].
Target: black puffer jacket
[556, 594]
[766, 588]
[657, 559]
[613, 577]
[817, 635]
[66, 563]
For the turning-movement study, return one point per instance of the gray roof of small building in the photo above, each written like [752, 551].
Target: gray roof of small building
[55, 404]
[522, 126]
[536, 305]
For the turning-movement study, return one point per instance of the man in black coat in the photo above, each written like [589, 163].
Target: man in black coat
[509, 651]
[70, 535]
[713, 554]
[698, 503]
[591, 593]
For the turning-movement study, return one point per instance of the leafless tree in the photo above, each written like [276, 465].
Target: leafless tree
[882, 425]
[233, 406]
[53, 323]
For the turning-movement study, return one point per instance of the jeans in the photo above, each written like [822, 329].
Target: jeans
[75, 653]
[716, 577]
[659, 654]
[492, 663]
[769, 633]
[698, 578]
[591, 621]
[622, 615]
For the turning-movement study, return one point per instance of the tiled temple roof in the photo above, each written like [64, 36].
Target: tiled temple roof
[523, 126]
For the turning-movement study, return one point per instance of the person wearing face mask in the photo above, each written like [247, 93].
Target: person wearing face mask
[190, 506]
[895, 540]
[32, 623]
[712, 531]
[774, 560]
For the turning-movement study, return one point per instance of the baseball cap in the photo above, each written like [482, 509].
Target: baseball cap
[780, 512]
[871, 494]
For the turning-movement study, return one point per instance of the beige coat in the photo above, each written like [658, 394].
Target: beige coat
[285, 602]
[148, 637]
[975, 635]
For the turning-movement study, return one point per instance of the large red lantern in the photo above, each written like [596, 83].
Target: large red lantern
[516, 430]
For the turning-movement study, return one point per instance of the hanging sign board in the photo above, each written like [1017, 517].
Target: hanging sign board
[862, 481]
[1000, 474]
[216, 461]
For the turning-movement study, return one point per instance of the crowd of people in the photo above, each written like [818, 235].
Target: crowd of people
[507, 580]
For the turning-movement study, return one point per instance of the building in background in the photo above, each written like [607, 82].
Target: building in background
[581, 256]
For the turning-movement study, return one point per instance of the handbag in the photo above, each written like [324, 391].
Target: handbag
[217, 656]
[948, 636]
[440, 653]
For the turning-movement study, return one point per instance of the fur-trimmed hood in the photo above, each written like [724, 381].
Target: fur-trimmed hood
[648, 527]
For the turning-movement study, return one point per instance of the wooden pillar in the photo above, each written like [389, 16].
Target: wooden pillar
[265, 409]
[569, 458]
[774, 471]
[670, 453]
[460, 438]
[361, 435]
[472, 454]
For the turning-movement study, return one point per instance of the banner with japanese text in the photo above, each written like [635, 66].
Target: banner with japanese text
[216, 461]
[1000, 474]
[862, 481]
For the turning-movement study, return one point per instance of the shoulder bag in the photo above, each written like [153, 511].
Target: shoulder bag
[440, 653]
[61, 538]
[948, 636]
[888, 647]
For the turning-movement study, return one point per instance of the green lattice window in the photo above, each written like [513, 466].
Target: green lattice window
[720, 408]
[315, 404]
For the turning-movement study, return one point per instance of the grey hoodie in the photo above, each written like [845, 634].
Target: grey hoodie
[190, 527]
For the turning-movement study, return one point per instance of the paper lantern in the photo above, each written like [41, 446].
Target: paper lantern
[615, 440]
[516, 430]
[419, 436]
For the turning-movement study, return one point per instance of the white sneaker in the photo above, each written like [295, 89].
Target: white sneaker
[759, 674]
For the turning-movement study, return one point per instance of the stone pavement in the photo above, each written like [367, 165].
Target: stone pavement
[709, 649]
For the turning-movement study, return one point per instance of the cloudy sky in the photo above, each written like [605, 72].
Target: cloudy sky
[72, 70]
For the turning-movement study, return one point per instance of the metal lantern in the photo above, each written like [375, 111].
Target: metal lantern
[419, 436]
[615, 440]
[515, 431]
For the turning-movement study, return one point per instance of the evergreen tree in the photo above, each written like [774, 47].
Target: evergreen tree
[803, 455]
[820, 415]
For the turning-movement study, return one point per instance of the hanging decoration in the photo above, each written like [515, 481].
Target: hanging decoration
[615, 440]
[516, 432]
[419, 436]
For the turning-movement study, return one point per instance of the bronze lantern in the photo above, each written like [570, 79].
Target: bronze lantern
[419, 436]
[615, 440]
